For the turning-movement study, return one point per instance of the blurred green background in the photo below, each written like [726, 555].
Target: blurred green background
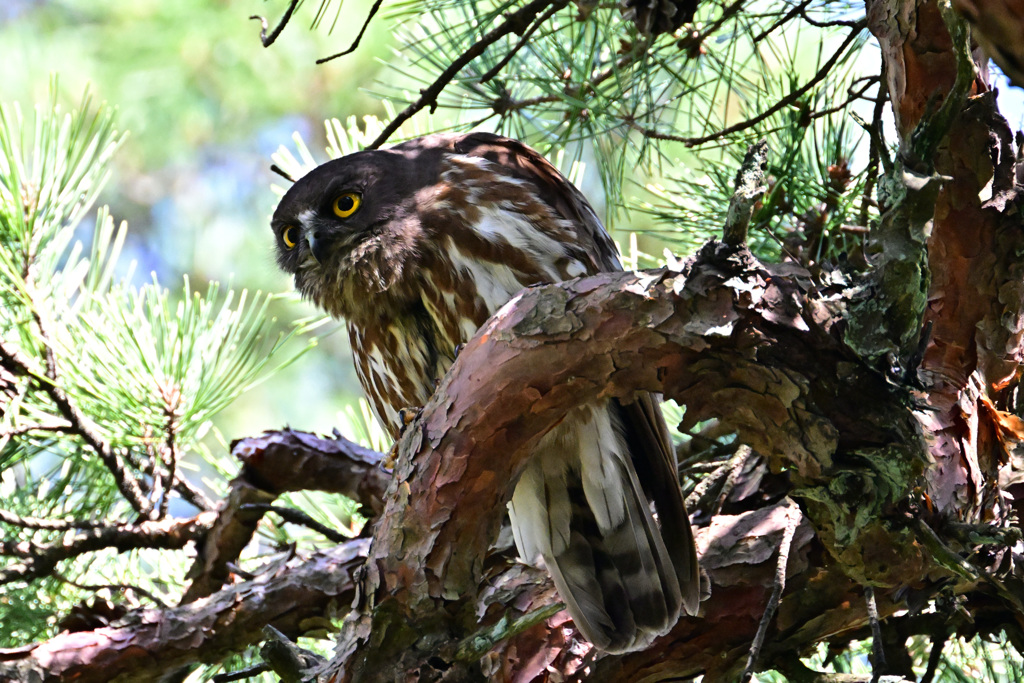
[205, 106]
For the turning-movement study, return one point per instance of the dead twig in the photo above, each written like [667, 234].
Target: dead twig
[792, 520]
[269, 40]
[750, 187]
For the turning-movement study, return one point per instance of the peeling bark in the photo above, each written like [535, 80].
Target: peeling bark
[147, 643]
[751, 345]
[275, 463]
[731, 339]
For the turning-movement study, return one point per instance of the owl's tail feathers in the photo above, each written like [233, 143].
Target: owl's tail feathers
[619, 583]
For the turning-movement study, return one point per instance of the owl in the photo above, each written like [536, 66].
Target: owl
[414, 247]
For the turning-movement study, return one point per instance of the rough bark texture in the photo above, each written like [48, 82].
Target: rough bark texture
[272, 464]
[149, 643]
[733, 339]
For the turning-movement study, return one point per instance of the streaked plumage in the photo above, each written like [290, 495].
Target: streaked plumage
[446, 230]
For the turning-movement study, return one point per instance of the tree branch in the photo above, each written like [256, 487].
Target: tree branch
[269, 40]
[127, 484]
[692, 335]
[272, 464]
[150, 642]
[784, 102]
[42, 560]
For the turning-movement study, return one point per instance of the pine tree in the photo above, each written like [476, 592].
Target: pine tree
[840, 326]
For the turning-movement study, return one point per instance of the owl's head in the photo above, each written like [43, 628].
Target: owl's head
[350, 217]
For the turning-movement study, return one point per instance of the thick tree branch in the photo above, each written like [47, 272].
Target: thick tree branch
[730, 338]
[148, 643]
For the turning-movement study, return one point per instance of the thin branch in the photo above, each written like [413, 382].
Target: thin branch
[277, 169]
[241, 674]
[289, 661]
[786, 18]
[792, 521]
[722, 470]
[851, 97]
[54, 427]
[522, 42]
[504, 105]
[50, 524]
[789, 99]
[355, 43]
[169, 454]
[514, 23]
[876, 150]
[878, 664]
[150, 643]
[750, 187]
[269, 40]
[727, 14]
[193, 494]
[298, 517]
[934, 656]
[120, 587]
[166, 534]
[125, 480]
[735, 466]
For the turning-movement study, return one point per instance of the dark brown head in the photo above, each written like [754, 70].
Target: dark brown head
[349, 219]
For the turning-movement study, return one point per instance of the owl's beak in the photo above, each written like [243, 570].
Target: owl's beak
[312, 246]
[317, 247]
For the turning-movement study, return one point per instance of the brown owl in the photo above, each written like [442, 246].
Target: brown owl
[415, 247]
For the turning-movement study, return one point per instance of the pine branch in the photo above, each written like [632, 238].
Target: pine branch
[51, 524]
[41, 560]
[516, 22]
[268, 40]
[823, 72]
[272, 464]
[355, 43]
[126, 482]
[149, 643]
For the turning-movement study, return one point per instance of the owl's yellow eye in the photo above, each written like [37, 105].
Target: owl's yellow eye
[288, 236]
[347, 204]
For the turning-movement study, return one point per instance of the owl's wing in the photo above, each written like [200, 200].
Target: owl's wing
[659, 478]
[650, 444]
[524, 163]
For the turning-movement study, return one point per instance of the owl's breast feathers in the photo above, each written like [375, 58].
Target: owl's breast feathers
[477, 237]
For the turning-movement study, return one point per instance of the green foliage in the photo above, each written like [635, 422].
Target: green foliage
[644, 107]
[990, 659]
[101, 371]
